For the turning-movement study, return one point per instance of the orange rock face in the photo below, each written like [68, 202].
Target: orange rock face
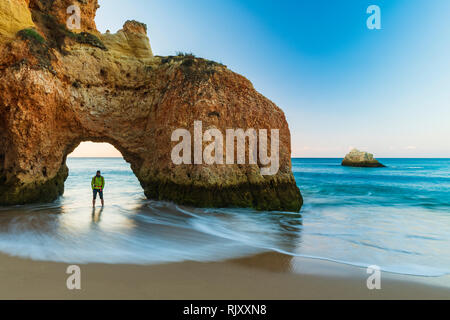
[59, 10]
[63, 89]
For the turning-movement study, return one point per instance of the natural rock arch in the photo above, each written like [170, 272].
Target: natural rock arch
[71, 88]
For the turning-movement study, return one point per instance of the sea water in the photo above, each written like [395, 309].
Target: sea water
[396, 217]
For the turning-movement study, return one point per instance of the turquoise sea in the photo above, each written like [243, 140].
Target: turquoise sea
[396, 217]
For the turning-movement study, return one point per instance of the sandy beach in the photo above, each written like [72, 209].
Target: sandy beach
[265, 276]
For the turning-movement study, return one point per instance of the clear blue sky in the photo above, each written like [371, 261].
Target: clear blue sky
[340, 84]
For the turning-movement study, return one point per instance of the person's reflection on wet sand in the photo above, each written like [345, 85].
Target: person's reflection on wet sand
[97, 216]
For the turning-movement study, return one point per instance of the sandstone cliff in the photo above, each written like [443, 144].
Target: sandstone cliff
[59, 88]
[14, 16]
[358, 158]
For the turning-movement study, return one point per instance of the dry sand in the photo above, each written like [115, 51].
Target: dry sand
[266, 276]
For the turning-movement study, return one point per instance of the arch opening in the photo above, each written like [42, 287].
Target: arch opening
[121, 184]
[90, 149]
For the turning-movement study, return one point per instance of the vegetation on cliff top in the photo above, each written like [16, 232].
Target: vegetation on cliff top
[194, 69]
[56, 33]
[188, 59]
[54, 36]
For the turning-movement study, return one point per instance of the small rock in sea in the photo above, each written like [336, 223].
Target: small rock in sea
[358, 158]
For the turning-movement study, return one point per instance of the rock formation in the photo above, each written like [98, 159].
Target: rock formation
[14, 16]
[358, 158]
[59, 88]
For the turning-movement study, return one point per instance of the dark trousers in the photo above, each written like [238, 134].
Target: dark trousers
[100, 192]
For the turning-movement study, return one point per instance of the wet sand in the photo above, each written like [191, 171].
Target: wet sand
[265, 276]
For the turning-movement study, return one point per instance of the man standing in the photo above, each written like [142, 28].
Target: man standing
[98, 184]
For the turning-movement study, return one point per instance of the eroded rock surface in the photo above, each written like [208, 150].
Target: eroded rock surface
[358, 158]
[59, 88]
[14, 16]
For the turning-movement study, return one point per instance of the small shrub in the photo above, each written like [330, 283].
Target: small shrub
[188, 62]
[31, 35]
[88, 38]
[38, 48]
[185, 55]
[76, 84]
